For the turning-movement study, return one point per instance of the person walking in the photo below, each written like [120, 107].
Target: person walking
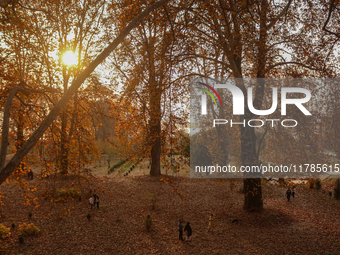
[288, 194]
[188, 232]
[180, 229]
[211, 223]
[30, 175]
[97, 201]
[293, 192]
[91, 202]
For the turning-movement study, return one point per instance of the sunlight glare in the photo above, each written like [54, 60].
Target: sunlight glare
[69, 58]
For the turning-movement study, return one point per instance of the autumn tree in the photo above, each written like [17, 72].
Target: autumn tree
[254, 40]
[43, 126]
[152, 81]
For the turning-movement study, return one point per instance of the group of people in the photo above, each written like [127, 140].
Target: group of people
[188, 230]
[290, 193]
[94, 201]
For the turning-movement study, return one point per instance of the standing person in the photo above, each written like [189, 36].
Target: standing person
[30, 175]
[288, 193]
[188, 230]
[97, 201]
[94, 201]
[211, 223]
[91, 202]
[180, 229]
[293, 192]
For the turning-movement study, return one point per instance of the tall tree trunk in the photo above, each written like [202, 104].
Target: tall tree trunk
[155, 131]
[253, 195]
[252, 186]
[64, 138]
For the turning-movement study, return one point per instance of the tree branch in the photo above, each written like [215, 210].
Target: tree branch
[330, 11]
[283, 12]
[291, 63]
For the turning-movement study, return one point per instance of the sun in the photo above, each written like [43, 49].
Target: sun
[69, 58]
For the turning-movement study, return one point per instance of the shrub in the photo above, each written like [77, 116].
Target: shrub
[4, 232]
[148, 222]
[28, 229]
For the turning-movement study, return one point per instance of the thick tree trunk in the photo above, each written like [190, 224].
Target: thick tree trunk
[155, 131]
[156, 156]
[252, 186]
[253, 195]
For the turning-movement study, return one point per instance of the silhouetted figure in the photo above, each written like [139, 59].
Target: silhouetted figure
[188, 232]
[288, 194]
[30, 175]
[94, 200]
[180, 230]
[293, 192]
[97, 201]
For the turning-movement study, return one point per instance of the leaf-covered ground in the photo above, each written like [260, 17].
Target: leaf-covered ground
[308, 224]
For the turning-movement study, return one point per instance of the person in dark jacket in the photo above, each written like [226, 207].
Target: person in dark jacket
[180, 229]
[97, 201]
[288, 194]
[188, 232]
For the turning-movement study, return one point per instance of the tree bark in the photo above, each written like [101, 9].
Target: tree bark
[5, 124]
[155, 128]
[252, 186]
